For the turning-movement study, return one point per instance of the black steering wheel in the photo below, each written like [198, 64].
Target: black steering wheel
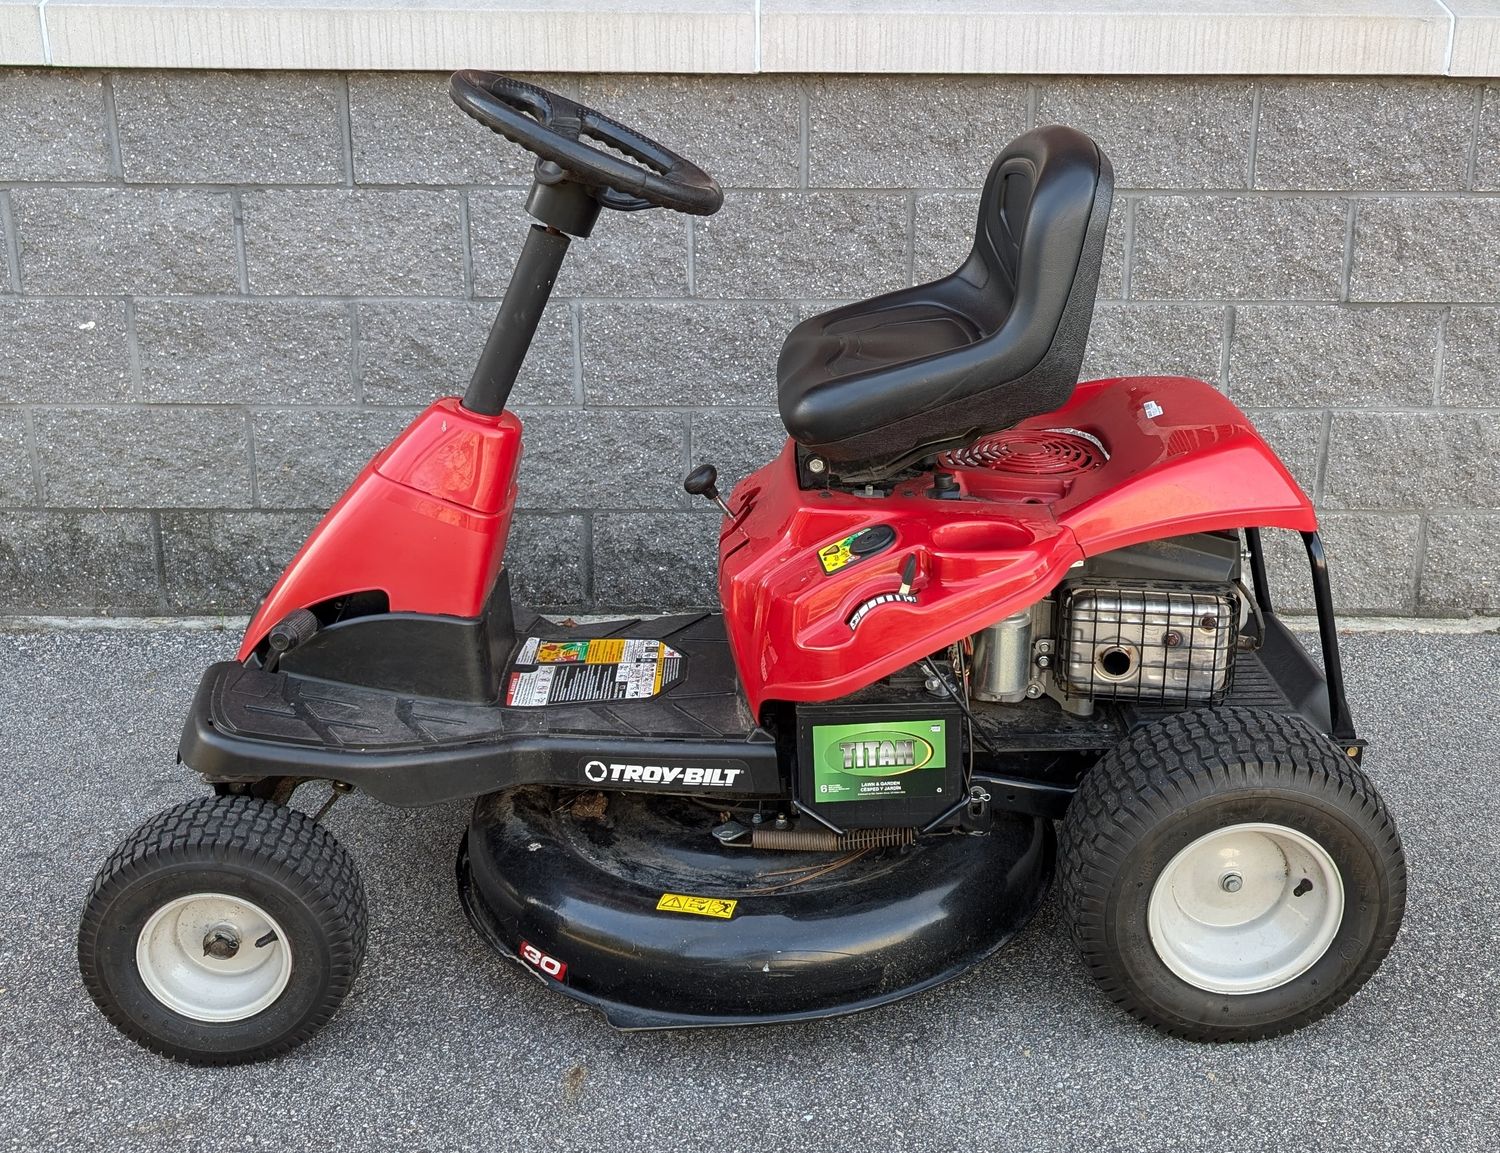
[554, 127]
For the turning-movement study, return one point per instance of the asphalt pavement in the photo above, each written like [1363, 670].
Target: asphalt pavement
[444, 1046]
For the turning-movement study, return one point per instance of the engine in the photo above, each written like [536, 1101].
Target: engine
[1158, 622]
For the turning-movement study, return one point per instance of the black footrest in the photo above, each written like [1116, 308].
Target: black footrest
[247, 725]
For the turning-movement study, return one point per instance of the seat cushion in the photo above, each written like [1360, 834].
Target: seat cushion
[870, 337]
[874, 386]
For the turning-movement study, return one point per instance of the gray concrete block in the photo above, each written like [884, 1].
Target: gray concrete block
[1228, 247]
[655, 561]
[244, 351]
[1372, 560]
[114, 241]
[905, 132]
[306, 458]
[17, 483]
[682, 354]
[1371, 563]
[1295, 437]
[1155, 340]
[355, 242]
[412, 352]
[226, 561]
[603, 459]
[1288, 573]
[143, 457]
[407, 130]
[1487, 143]
[1412, 461]
[1364, 134]
[1439, 248]
[89, 562]
[547, 557]
[54, 126]
[1471, 358]
[736, 443]
[1461, 571]
[745, 131]
[64, 351]
[1301, 356]
[1160, 132]
[630, 253]
[229, 127]
[812, 245]
[944, 233]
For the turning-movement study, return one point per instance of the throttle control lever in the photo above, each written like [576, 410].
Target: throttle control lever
[702, 482]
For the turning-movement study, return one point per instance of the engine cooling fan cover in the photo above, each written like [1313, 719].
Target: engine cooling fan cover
[600, 908]
[1031, 452]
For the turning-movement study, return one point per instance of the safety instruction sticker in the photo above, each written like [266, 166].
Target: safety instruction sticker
[837, 555]
[591, 670]
[703, 906]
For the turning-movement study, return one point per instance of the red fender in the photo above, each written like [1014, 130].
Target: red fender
[1181, 459]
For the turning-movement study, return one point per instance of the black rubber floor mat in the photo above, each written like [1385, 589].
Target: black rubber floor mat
[705, 700]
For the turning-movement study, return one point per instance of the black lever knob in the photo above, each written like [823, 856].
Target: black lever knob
[702, 481]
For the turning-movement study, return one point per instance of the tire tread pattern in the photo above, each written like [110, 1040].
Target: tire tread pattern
[1163, 766]
[283, 842]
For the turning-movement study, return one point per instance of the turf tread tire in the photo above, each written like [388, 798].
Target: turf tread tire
[283, 844]
[1163, 767]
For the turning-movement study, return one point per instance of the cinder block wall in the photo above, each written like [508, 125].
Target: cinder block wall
[222, 291]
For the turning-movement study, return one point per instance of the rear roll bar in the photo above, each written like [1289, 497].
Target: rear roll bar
[1342, 723]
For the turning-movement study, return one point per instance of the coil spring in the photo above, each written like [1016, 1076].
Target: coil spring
[827, 841]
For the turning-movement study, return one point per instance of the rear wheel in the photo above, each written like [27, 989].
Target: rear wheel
[223, 930]
[1230, 875]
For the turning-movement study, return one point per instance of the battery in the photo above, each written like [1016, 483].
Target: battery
[879, 765]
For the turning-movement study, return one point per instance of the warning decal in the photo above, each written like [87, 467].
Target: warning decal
[588, 671]
[703, 906]
[837, 555]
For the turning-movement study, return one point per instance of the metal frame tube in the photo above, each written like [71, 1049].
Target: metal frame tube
[516, 322]
[1258, 569]
[1333, 669]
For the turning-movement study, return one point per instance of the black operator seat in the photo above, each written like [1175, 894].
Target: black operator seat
[874, 386]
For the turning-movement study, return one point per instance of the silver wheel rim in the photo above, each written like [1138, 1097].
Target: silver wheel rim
[1246, 908]
[199, 956]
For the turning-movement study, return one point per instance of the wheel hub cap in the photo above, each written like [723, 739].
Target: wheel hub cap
[1246, 908]
[202, 956]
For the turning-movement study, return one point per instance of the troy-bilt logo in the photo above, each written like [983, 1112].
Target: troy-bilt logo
[551, 966]
[599, 772]
[879, 751]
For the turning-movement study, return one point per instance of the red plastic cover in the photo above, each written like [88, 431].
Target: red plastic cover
[1174, 456]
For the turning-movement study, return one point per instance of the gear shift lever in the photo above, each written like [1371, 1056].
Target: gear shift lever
[701, 482]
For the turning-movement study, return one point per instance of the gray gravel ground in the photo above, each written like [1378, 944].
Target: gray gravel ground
[444, 1046]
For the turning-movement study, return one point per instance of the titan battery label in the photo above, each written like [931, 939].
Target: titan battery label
[879, 760]
[590, 671]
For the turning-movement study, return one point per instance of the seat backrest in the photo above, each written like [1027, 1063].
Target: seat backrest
[1039, 240]
[874, 386]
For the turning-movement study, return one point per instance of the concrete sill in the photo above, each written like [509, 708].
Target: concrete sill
[1186, 37]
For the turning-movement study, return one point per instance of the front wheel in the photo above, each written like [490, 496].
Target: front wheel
[1229, 875]
[223, 930]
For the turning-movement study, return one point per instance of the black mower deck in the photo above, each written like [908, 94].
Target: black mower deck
[631, 909]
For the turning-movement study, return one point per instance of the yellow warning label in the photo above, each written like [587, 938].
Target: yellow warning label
[703, 906]
[836, 555]
[606, 651]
